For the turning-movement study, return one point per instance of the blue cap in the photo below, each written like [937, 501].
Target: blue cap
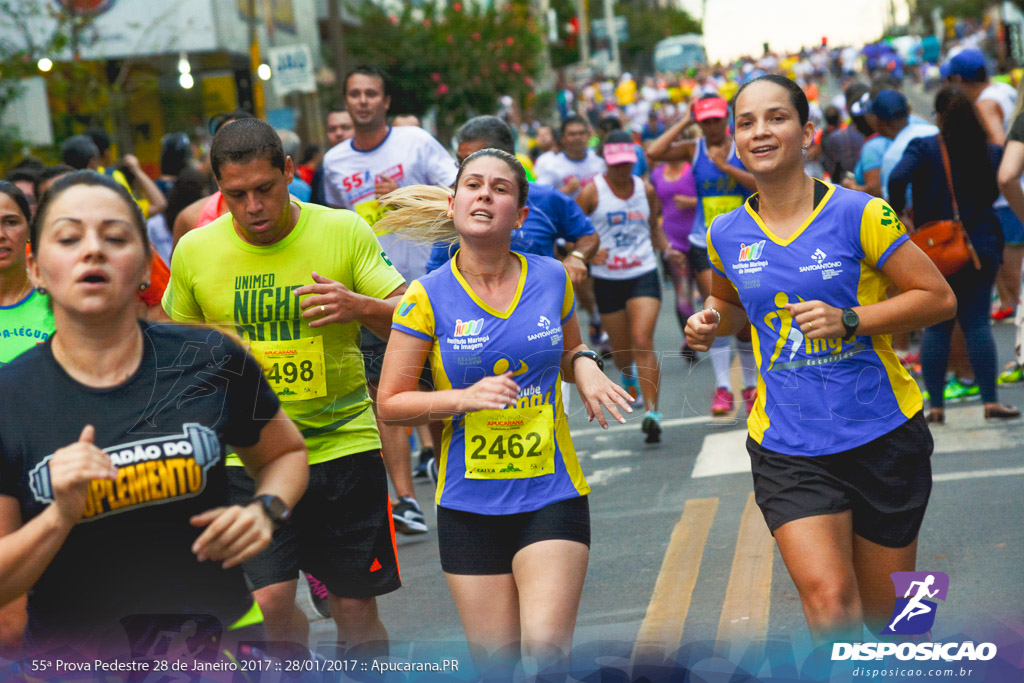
[969, 65]
[889, 105]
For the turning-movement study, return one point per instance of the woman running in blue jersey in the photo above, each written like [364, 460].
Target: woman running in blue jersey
[838, 444]
[500, 331]
[722, 185]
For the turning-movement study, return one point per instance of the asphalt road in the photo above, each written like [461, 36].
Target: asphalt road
[681, 557]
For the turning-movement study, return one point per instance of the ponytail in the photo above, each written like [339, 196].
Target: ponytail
[418, 213]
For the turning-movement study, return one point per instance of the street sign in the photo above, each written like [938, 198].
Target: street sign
[292, 70]
[600, 32]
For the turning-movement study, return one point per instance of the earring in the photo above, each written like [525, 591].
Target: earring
[518, 226]
[144, 286]
[41, 290]
[449, 214]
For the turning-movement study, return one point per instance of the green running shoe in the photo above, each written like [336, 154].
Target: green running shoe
[954, 391]
[1012, 375]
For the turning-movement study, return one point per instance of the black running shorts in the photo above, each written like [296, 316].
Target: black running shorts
[476, 544]
[612, 295]
[885, 483]
[341, 531]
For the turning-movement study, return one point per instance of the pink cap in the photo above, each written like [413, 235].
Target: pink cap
[619, 153]
[711, 108]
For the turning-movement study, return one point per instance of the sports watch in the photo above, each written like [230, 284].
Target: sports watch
[587, 354]
[275, 508]
[851, 321]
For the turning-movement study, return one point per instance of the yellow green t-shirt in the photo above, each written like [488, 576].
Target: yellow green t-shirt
[317, 372]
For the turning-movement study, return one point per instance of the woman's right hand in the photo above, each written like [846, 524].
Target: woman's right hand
[71, 470]
[700, 329]
[490, 393]
[600, 258]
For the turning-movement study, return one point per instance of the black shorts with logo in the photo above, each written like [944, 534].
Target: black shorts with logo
[341, 531]
[471, 543]
[885, 483]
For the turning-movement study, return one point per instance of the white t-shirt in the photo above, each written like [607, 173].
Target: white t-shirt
[408, 155]
[625, 231]
[559, 169]
[1005, 96]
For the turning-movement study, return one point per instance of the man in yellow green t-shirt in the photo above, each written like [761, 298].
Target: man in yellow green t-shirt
[295, 281]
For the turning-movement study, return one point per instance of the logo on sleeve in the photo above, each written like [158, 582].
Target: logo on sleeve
[890, 219]
[406, 307]
[386, 259]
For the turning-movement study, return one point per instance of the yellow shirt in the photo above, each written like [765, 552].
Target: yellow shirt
[317, 372]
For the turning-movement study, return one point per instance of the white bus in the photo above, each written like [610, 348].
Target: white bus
[676, 54]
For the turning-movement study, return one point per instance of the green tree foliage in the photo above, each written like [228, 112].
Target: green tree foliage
[459, 56]
[23, 44]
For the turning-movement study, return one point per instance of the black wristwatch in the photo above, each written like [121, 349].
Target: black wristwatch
[851, 321]
[587, 354]
[275, 508]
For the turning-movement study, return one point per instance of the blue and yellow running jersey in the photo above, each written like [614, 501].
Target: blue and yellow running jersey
[499, 462]
[817, 397]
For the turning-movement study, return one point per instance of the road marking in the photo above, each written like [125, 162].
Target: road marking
[633, 426]
[748, 596]
[601, 477]
[662, 628]
[978, 474]
[611, 453]
[722, 453]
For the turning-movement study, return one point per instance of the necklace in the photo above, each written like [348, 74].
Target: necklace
[499, 275]
[21, 293]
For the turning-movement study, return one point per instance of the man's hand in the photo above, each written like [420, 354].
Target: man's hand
[576, 268]
[384, 185]
[331, 302]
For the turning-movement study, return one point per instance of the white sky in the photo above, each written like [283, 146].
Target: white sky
[737, 27]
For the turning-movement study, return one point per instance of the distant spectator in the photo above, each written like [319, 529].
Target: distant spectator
[292, 144]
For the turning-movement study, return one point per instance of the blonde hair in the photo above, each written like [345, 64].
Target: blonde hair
[418, 213]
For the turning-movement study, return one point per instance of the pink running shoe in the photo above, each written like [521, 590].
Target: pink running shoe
[722, 403]
[749, 397]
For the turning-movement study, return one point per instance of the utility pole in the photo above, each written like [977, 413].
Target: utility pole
[584, 35]
[258, 102]
[613, 36]
[547, 80]
[337, 33]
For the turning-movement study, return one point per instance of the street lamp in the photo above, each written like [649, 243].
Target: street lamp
[44, 64]
[186, 81]
[263, 71]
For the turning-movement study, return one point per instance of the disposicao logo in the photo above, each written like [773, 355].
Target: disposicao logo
[470, 328]
[913, 615]
[751, 252]
[404, 309]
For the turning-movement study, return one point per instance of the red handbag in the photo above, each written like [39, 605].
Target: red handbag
[946, 242]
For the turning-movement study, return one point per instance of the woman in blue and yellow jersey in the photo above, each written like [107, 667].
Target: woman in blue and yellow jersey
[838, 445]
[500, 331]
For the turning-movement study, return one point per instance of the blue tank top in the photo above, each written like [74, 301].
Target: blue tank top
[499, 462]
[717, 192]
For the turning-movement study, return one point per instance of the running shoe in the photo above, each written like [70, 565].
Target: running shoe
[651, 426]
[1003, 313]
[420, 471]
[957, 390]
[722, 402]
[409, 519]
[432, 471]
[1011, 375]
[318, 594]
[749, 398]
[631, 385]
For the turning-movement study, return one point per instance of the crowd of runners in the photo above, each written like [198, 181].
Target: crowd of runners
[335, 308]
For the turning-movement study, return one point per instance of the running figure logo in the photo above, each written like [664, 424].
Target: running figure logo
[914, 613]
